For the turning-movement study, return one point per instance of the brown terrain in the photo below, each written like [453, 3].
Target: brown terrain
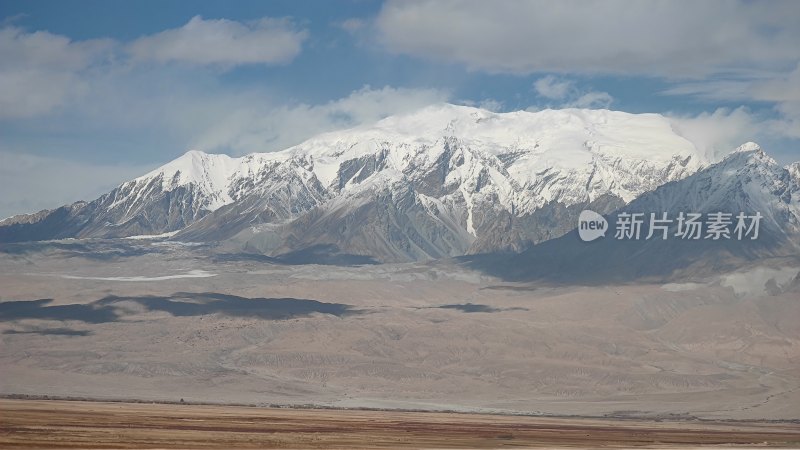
[77, 424]
[709, 362]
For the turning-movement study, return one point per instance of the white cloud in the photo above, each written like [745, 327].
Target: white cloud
[171, 107]
[41, 71]
[222, 42]
[663, 38]
[264, 126]
[788, 124]
[552, 87]
[592, 100]
[717, 134]
[781, 89]
[567, 94]
[488, 104]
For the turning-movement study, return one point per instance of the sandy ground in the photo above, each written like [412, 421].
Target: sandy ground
[109, 322]
[32, 424]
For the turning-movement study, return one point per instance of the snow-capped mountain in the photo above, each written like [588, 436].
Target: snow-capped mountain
[747, 181]
[794, 170]
[451, 180]
[443, 181]
[167, 199]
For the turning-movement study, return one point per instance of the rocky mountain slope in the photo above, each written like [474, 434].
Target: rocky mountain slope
[444, 181]
[747, 181]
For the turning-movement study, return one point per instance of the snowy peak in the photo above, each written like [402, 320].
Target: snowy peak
[749, 155]
[443, 180]
[565, 156]
[209, 173]
[748, 167]
[520, 160]
[564, 137]
[747, 180]
[747, 147]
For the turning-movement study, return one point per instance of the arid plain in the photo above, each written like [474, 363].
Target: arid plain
[165, 321]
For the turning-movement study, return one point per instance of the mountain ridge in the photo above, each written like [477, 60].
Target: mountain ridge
[746, 181]
[440, 182]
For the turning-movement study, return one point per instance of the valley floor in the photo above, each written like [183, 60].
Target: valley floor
[154, 321]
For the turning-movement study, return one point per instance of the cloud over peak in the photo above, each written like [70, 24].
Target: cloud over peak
[568, 95]
[222, 42]
[552, 87]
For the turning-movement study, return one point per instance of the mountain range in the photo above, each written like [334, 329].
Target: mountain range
[445, 181]
[747, 181]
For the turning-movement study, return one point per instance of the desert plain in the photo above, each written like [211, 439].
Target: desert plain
[153, 321]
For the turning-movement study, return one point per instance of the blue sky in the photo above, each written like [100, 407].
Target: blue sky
[96, 92]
